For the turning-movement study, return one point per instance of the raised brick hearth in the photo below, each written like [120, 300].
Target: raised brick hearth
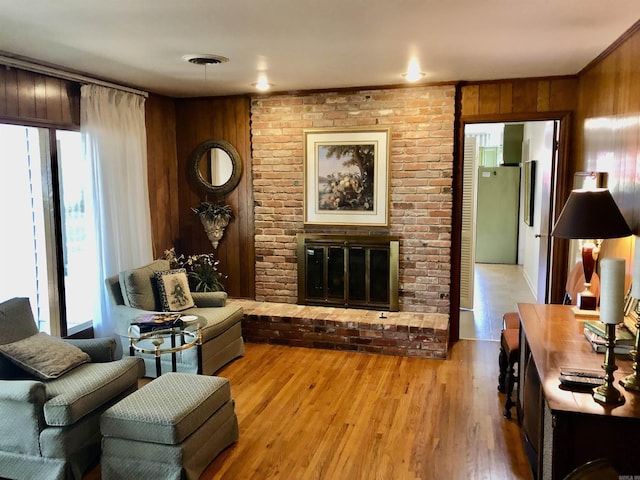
[407, 334]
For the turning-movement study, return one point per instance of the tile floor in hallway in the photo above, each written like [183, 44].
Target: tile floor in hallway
[497, 289]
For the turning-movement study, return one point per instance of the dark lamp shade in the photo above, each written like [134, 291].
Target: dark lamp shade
[591, 214]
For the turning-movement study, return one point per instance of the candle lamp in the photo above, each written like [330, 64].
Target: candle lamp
[611, 313]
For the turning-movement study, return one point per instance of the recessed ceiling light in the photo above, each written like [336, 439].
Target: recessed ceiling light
[413, 72]
[262, 84]
[413, 76]
[204, 59]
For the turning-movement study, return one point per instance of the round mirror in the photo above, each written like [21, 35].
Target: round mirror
[216, 166]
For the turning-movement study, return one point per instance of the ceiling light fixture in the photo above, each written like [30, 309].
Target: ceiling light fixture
[262, 84]
[413, 72]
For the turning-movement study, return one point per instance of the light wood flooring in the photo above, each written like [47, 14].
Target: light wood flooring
[310, 414]
[317, 414]
[307, 414]
[497, 290]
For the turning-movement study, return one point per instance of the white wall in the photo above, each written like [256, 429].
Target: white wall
[538, 146]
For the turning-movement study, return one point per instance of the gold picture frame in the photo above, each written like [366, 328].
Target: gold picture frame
[346, 174]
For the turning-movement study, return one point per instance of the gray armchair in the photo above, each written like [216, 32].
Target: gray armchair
[49, 429]
[132, 293]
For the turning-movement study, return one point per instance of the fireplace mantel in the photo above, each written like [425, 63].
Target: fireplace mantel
[348, 271]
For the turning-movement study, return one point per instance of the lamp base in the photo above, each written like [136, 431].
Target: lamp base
[587, 300]
[608, 394]
[631, 382]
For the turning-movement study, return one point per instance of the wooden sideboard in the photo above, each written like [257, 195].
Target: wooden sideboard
[563, 429]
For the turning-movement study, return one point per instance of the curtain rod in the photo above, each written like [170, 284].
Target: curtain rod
[46, 70]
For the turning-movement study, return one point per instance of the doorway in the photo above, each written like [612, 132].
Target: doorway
[508, 178]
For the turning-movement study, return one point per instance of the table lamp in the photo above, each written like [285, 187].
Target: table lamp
[590, 216]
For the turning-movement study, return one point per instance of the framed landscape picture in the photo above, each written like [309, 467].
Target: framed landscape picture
[346, 175]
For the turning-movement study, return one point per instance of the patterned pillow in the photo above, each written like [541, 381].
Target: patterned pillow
[44, 356]
[173, 286]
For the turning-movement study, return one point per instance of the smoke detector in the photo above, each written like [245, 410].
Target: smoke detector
[205, 59]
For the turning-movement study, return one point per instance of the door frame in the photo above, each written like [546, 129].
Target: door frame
[558, 250]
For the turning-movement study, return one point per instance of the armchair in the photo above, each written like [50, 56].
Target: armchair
[134, 293]
[49, 428]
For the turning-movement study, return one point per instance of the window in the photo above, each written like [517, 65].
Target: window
[47, 244]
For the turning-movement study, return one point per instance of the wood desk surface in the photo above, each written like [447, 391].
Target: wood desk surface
[557, 340]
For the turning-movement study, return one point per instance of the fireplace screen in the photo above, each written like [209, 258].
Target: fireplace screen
[348, 271]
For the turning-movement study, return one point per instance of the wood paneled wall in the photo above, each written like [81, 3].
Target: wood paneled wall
[33, 99]
[220, 118]
[607, 136]
[519, 96]
[608, 123]
[162, 172]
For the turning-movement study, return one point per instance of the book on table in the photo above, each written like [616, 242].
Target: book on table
[157, 321]
[622, 346]
[623, 335]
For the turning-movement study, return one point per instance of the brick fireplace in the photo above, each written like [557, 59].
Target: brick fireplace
[348, 300]
[421, 168]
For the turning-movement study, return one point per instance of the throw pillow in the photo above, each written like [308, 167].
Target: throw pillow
[138, 286]
[173, 286]
[210, 299]
[44, 356]
[16, 322]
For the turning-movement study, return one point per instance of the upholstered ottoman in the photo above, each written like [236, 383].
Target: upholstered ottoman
[174, 425]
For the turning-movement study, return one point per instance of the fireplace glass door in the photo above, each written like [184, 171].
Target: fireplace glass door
[348, 271]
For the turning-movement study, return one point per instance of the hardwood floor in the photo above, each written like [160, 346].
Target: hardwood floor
[497, 290]
[316, 414]
[310, 414]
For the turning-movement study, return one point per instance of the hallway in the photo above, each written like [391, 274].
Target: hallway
[497, 289]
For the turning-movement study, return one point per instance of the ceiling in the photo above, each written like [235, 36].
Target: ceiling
[310, 44]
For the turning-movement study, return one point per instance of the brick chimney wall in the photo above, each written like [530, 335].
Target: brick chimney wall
[421, 120]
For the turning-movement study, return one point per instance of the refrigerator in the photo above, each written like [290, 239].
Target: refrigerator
[497, 206]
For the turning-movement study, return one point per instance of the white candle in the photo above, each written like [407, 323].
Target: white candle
[635, 277]
[612, 290]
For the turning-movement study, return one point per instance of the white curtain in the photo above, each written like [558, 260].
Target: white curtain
[114, 139]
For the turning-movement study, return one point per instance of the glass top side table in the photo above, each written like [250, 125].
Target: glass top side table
[164, 341]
